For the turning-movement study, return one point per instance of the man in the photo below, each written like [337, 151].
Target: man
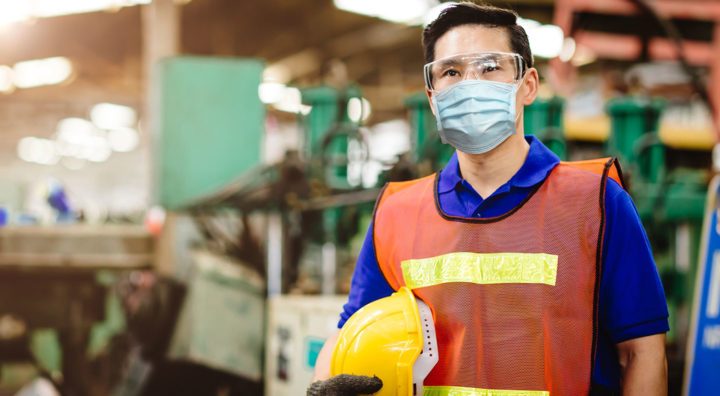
[594, 323]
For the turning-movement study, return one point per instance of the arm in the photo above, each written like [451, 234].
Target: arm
[643, 365]
[322, 365]
[632, 311]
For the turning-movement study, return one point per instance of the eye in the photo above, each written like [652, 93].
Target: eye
[490, 67]
[451, 73]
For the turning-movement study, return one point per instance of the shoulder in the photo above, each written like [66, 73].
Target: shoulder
[574, 182]
[617, 200]
[394, 187]
[615, 195]
[598, 168]
[396, 190]
[570, 169]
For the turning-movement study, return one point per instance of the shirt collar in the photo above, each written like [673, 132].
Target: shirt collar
[538, 164]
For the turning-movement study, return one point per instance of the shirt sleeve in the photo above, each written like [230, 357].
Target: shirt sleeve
[632, 300]
[368, 282]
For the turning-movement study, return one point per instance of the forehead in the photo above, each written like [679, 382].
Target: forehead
[472, 38]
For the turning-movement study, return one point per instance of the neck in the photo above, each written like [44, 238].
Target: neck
[488, 171]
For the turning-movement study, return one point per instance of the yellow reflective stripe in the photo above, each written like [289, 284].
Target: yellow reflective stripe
[481, 268]
[460, 391]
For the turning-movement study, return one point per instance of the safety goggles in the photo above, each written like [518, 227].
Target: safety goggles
[501, 67]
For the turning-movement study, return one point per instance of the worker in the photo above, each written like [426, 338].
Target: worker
[538, 272]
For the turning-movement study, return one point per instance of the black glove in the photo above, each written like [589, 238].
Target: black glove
[345, 385]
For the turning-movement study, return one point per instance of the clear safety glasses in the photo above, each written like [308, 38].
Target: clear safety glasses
[490, 66]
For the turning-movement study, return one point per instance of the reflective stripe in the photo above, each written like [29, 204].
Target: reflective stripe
[481, 268]
[460, 391]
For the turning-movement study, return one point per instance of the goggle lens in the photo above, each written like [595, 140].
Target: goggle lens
[488, 66]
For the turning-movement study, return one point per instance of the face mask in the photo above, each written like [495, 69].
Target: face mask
[475, 116]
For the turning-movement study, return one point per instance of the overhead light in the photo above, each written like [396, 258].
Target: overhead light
[14, 11]
[123, 140]
[6, 79]
[291, 101]
[75, 142]
[568, 49]
[93, 148]
[97, 149]
[74, 130]
[50, 8]
[358, 109]
[39, 151]
[25, 149]
[19, 10]
[74, 124]
[546, 41]
[411, 12]
[282, 97]
[271, 92]
[113, 116]
[35, 73]
[79, 138]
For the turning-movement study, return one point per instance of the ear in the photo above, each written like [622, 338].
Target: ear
[429, 95]
[529, 89]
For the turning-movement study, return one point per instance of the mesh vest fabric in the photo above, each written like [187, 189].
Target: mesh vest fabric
[514, 297]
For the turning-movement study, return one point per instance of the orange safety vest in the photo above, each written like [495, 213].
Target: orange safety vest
[514, 297]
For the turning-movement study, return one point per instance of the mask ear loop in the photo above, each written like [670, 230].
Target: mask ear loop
[521, 80]
[517, 89]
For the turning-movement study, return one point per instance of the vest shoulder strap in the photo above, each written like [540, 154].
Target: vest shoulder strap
[393, 187]
[601, 166]
[389, 190]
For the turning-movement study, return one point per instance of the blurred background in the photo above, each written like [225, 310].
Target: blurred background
[185, 185]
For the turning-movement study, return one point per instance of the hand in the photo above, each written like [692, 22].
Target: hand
[345, 385]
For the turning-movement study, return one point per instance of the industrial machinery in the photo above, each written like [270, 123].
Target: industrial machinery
[297, 328]
[224, 200]
[56, 295]
[669, 188]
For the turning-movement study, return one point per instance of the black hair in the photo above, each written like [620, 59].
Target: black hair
[466, 13]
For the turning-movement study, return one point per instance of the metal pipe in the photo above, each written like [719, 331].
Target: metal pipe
[274, 254]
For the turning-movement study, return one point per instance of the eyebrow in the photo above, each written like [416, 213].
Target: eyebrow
[448, 62]
[456, 62]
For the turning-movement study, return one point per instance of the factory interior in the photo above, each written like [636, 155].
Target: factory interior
[185, 185]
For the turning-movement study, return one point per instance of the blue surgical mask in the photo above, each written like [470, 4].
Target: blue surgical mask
[475, 116]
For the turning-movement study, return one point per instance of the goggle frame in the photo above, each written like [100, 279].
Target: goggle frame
[520, 65]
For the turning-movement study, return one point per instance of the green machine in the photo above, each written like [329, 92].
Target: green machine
[332, 138]
[634, 137]
[427, 148]
[334, 142]
[544, 119]
[210, 123]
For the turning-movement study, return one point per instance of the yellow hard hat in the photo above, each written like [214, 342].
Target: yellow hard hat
[392, 338]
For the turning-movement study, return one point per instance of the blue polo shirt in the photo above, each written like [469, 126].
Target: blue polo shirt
[632, 300]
